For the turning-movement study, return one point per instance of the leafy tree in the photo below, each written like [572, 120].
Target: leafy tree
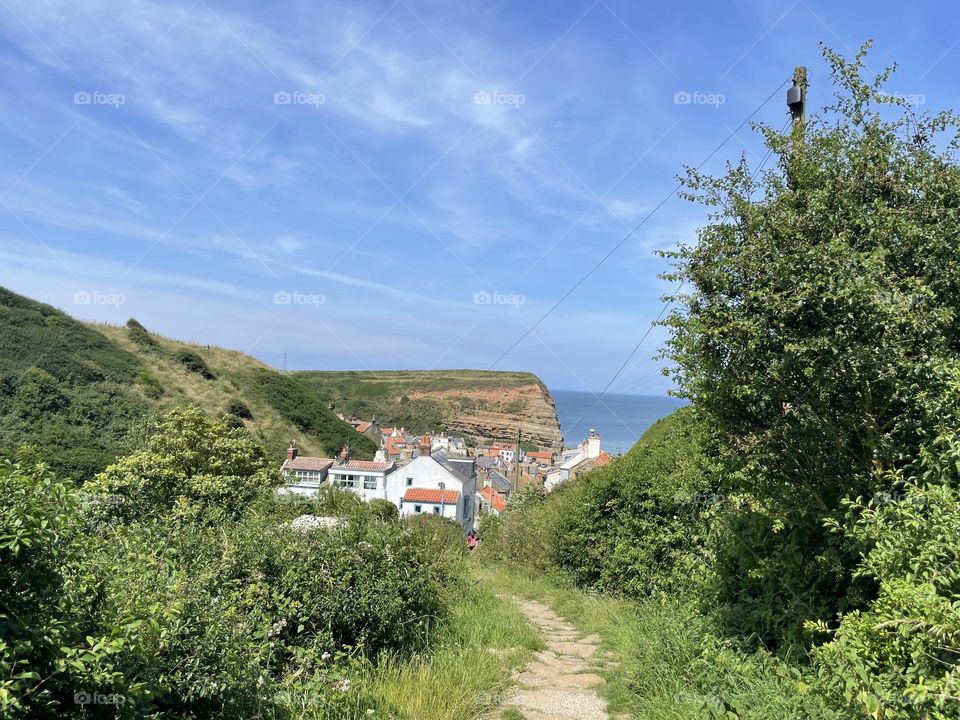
[816, 304]
[190, 461]
[900, 657]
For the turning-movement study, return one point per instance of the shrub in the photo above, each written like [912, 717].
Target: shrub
[383, 510]
[239, 409]
[194, 363]
[190, 464]
[900, 657]
[299, 403]
[194, 600]
[141, 336]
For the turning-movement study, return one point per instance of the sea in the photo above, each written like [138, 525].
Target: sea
[620, 419]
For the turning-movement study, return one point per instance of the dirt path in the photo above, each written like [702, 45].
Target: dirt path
[561, 680]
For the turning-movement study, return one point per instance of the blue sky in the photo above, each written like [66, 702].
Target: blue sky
[406, 184]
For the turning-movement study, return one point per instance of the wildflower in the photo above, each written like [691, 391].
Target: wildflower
[344, 685]
[277, 627]
[325, 656]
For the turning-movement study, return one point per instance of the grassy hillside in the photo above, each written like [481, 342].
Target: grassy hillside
[75, 391]
[419, 400]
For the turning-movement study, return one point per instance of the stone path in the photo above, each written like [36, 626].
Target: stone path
[561, 681]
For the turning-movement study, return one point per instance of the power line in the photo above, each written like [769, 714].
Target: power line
[603, 393]
[632, 232]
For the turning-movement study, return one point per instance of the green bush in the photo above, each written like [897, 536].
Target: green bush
[194, 363]
[900, 656]
[190, 465]
[239, 409]
[141, 336]
[152, 387]
[177, 585]
[383, 510]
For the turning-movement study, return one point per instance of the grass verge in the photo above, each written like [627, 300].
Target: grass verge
[468, 667]
[667, 665]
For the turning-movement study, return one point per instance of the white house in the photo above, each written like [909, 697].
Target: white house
[435, 484]
[304, 474]
[450, 444]
[576, 461]
[366, 478]
[508, 452]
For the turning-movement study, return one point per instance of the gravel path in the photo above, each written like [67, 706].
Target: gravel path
[561, 681]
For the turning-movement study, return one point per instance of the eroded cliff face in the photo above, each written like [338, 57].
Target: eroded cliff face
[497, 413]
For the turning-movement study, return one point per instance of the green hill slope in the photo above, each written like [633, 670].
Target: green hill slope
[75, 391]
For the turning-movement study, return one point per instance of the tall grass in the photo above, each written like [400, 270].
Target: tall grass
[665, 663]
[477, 648]
[464, 672]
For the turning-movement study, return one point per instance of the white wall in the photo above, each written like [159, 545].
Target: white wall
[372, 476]
[426, 472]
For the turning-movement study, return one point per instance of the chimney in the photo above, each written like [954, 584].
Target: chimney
[380, 456]
[425, 449]
[345, 454]
[292, 450]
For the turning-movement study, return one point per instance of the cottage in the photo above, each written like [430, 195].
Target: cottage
[501, 485]
[413, 487]
[304, 474]
[489, 502]
[365, 478]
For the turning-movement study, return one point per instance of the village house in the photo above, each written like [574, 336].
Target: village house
[304, 474]
[541, 457]
[435, 483]
[508, 452]
[489, 502]
[365, 478]
[451, 444]
[576, 461]
[501, 485]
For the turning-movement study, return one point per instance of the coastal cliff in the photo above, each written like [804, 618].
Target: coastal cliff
[480, 404]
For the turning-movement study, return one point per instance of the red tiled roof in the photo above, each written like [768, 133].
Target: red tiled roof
[431, 495]
[364, 426]
[364, 465]
[496, 501]
[541, 455]
[305, 462]
[603, 459]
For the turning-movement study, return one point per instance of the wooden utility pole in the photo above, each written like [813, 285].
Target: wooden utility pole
[797, 96]
[797, 102]
[516, 485]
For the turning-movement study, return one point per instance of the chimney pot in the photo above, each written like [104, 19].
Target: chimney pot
[292, 450]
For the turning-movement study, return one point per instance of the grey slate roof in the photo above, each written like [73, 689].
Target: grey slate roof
[500, 482]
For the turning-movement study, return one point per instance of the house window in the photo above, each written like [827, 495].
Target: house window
[436, 509]
[409, 482]
[370, 483]
[349, 481]
[418, 508]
